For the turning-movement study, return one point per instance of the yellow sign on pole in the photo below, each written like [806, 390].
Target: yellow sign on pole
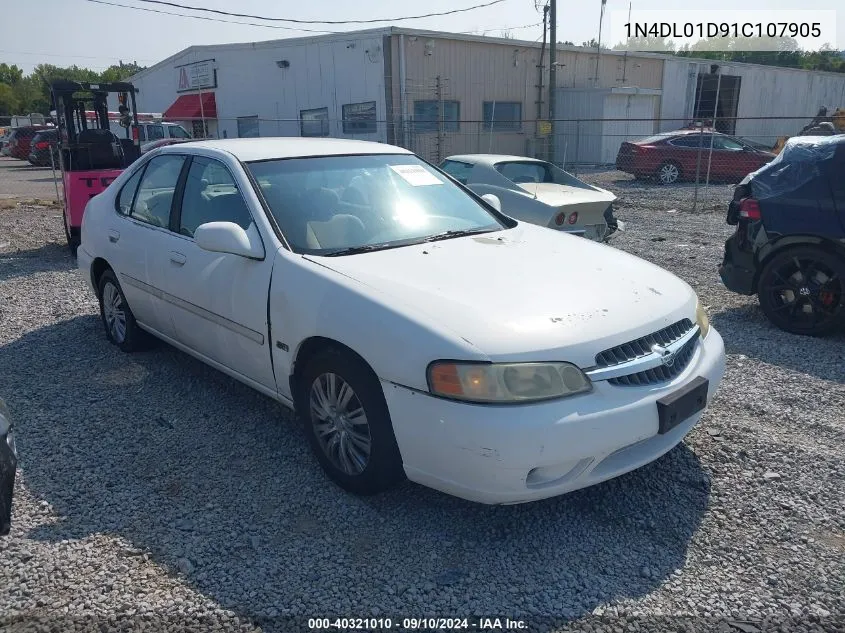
[544, 128]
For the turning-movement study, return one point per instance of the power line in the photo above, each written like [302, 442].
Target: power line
[297, 21]
[208, 19]
[99, 57]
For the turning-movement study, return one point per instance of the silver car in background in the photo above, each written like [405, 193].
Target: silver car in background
[538, 192]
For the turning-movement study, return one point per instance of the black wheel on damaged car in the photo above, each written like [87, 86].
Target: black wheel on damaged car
[668, 173]
[346, 420]
[802, 290]
[121, 328]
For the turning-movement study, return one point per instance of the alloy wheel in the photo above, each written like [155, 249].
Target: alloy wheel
[114, 313]
[668, 173]
[806, 292]
[340, 423]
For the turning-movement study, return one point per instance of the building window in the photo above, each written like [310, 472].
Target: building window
[503, 116]
[429, 112]
[360, 118]
[314, 122]
[248, 127]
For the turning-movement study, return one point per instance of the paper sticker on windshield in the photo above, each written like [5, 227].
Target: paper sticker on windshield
[416, 175]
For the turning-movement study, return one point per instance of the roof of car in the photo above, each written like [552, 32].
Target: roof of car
[251, 149]
[491, 159]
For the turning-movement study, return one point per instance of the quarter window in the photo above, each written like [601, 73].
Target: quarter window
[211, 195]
[155, 193]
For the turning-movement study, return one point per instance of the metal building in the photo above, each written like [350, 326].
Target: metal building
[443, 93]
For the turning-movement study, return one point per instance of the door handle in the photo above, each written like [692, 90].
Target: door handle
[177, 258]
[113, 236]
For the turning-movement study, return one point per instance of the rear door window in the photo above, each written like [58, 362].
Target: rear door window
[155, 193]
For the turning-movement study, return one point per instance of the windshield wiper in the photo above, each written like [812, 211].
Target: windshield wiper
[363, 248]
[445, 235]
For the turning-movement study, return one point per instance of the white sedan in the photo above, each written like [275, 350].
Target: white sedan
[415, 329]
[539, 192]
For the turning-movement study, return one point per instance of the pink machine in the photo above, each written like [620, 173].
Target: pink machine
[91, 155]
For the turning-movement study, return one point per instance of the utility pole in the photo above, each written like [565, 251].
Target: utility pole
[552, 75]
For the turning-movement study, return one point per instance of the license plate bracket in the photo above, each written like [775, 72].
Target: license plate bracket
[682, 404]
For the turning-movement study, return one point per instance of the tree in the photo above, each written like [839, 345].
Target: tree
[10, 75]
[122, 72]
[646, 44]
[8, 100]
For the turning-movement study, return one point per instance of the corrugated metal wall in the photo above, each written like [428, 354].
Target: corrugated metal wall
[788, 98]
[321, 74]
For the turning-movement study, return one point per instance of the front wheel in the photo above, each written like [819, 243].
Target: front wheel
[347, 423]
[802, 290]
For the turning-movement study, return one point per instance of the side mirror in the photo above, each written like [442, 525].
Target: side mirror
[493, 201]
[228, 237]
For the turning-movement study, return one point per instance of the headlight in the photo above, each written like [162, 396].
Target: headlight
[506, 382]
[702, 319]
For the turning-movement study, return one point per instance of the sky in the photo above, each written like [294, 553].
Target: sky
[97, 35]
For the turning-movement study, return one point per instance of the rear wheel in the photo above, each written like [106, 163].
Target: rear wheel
[347, 423]
[121, 327]
[802, 290]
[668, 173]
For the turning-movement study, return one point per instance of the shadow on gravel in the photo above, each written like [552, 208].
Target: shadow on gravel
[216, 482]
[747, 331]
[52, 257]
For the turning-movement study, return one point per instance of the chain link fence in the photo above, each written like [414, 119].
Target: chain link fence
[686, 158]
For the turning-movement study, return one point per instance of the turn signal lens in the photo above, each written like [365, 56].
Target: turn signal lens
[506, 382]
[702, 319]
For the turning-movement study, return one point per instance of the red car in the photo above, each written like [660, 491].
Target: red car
[20, 140]
[674, 156]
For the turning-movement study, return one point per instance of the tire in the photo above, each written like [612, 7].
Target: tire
[352, 440]
[72, 241]
[119, 322]
[802, 290]
[668, 173]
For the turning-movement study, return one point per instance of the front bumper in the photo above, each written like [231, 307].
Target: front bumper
[8, 469]
[738, 270]
[513, 454]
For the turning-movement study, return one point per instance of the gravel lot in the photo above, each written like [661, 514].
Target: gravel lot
[157, 493]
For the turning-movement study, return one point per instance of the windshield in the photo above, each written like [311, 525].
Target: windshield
[329, 204]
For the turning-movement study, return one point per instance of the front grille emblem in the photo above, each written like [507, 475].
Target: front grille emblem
[667, 356]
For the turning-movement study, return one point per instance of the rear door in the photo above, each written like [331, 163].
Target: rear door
[690, 152]
[139, 232]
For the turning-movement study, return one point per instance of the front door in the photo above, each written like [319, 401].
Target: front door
[219, 301]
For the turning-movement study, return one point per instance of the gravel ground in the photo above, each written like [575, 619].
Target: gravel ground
[157, 493]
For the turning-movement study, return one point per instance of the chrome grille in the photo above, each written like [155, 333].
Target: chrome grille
[642, 347]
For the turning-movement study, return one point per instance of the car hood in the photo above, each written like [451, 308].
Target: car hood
[557, 195]
[525, 292]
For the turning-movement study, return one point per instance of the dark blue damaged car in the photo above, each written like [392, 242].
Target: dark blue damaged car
[789, 243]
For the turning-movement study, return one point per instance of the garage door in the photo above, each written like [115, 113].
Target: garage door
[624, 116]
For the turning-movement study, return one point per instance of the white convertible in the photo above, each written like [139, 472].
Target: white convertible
[416, 330]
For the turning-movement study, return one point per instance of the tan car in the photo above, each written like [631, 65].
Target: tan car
[538, 192]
